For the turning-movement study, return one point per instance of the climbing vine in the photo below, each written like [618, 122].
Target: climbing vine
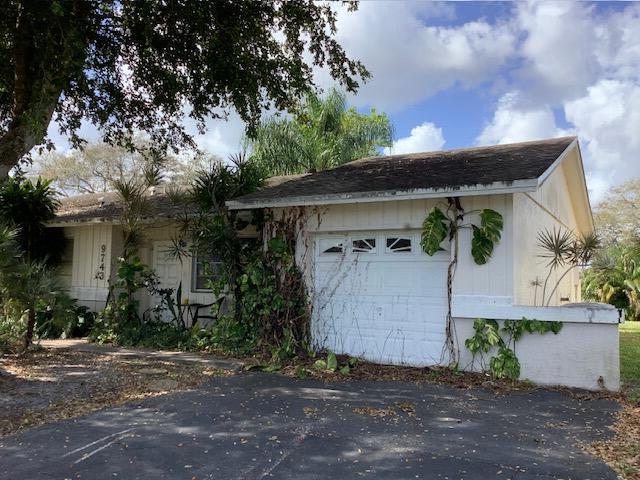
[490, 336]
[440, 225]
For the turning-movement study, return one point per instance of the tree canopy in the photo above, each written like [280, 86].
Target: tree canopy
[99, 166]
[617, 217]
[322, 133]
[614, 274]
[148, 64]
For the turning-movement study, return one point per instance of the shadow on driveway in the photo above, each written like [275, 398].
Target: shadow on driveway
[255, 426]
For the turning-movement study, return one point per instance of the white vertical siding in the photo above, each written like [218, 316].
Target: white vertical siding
[86, 286]
[493, 279]
[548, 208]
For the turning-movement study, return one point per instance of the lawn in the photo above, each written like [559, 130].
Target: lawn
[630, 358]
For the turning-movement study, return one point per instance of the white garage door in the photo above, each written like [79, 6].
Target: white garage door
[380, 297]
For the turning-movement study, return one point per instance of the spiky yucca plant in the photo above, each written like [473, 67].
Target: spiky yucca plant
[564, 249]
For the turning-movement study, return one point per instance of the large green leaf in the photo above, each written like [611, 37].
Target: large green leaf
[481, 246]
[491, 222]
[434, 231]
[486, 235]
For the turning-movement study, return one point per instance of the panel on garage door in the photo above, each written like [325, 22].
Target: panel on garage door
[380, 297]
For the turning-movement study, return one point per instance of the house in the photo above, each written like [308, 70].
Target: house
[91, 224]
[375, 294]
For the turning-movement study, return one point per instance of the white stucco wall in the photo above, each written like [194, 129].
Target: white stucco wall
[584, 354]
[551, 206]
[576, 357]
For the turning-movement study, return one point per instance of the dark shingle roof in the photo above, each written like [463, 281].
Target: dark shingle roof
[105, 207]
[446, 170]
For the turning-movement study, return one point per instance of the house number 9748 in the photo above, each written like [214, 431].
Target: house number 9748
[101, 267]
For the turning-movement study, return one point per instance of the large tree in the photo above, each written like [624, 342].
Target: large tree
[98, 166]
[322, 133]
[128, 65]
[617, 217]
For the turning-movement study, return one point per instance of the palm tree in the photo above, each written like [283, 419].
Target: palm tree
[24, 284]
[322, 134]
[26, 207]
[614, 278]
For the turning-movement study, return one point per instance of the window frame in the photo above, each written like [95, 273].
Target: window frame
[367, 239]
[216, 260]
[389, 248]
[341, 241]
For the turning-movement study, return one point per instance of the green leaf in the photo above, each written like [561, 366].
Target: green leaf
[277, 245]
[345, 370]
[491, 223]
[434, 231]
[320, 365]
[481, 246]
[332, 362]
[555, 327]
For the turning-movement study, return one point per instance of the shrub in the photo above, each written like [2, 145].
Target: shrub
[63, 318]
[13, 327]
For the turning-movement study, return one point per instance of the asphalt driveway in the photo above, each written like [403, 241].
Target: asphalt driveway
[256, 426]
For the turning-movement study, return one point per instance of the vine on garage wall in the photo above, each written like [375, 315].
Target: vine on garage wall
[274, 294]
[488, 335]
[441, 224]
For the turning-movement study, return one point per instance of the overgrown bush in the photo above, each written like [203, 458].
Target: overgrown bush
[13, 326]
[225, 335]
[63, 318]
[274, 300]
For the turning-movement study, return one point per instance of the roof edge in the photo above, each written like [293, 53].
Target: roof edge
[551, 168]
[496, 188]
[575, 144]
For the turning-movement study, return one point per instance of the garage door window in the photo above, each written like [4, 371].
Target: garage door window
[398, 245]
[364, 245]
[331, 246]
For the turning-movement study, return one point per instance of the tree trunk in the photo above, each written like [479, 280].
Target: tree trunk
[31, 325]
[20, 138]
[38, 85]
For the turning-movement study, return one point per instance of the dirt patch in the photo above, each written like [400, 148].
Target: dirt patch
[387, 373]
[49, 385]
[375, 412]
[622, 452]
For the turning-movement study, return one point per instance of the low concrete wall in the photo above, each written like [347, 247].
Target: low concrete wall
[584, 354]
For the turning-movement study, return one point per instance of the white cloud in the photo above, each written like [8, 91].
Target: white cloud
[425, 137]
[584, 63]
[222, 137]
[606, 120]
[514, 121]
[411, 60]
[558, 50]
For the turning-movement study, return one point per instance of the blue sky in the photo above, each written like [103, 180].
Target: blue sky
[463, 111]
[461, 74]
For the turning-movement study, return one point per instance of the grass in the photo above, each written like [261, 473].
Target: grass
[630, 359]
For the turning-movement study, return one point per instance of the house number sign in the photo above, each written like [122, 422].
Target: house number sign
[101, 268]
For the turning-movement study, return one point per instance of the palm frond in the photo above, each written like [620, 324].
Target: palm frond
[557, 246]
